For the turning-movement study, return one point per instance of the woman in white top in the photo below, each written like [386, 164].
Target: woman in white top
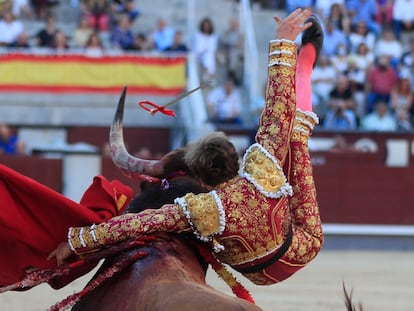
[205, 48]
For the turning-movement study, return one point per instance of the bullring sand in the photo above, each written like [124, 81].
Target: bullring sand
[381, 280]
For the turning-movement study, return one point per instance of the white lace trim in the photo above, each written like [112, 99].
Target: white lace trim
[281, 40]
[70, 239]
[82, 241]
[310, 114]
[92, 232]
[279, 63]
[284, 190]
[280, 53]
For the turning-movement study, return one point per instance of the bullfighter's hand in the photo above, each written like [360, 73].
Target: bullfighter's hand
[290, 27]
[61, 253]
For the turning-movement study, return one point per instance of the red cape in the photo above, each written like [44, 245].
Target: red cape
[34, 219]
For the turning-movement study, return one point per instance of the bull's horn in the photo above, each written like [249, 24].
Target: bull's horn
[130, 165]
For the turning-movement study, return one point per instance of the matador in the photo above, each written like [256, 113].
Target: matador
[264, 222]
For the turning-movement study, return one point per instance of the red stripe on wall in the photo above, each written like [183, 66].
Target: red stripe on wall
[170, 61]
[83, 89]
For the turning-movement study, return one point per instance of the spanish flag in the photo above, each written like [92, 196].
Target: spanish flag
[160, 75]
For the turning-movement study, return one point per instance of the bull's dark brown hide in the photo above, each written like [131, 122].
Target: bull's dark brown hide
[169, 278]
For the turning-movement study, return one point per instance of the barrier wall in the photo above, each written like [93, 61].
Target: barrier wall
[353, 188]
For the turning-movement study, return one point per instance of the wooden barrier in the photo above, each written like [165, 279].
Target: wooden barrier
[46, 171]
[353, 188]
[360, 189]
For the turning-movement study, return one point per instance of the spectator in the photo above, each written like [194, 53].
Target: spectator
[10, 28]
[402, 96]
[342, 91]
[323, 82]
[407, 58]
[385, 12]
[341, 115]
[127, 7]
[403, 18]
[60, 43]
[403, 121]
[178, 45]
[231, 47]
[122, 36]
[381, 78]
[22, 42]
[46, 36]
[205, 48]
[340, 59]
[224, 104]
[163, 35]
[323, 7]
[389, 46]
[338, 15]
[357, 78]
[333, 37]
[82, 33]
[9, 143]
[363, 57]
[94, 46]
[41, 8]
[21, 9]
[141, 43]
[380, 119]
[340, 118]
[97, 12]
[361, 34]
[366, 11]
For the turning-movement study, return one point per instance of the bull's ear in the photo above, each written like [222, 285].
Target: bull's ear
[131, 166]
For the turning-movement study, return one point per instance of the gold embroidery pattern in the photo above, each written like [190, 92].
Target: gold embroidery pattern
[283, 53]
[263, 171]
[303, 125]
[261, 278]
[282, 45]
[308, 236]
[277, 118]
[203, 213]
[169, 218]
[255, 225]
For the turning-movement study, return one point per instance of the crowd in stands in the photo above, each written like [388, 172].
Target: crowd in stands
[366, 61]
[364, 79]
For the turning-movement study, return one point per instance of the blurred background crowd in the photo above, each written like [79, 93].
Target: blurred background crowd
[363, 80]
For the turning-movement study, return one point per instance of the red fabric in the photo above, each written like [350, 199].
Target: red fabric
[34, 219]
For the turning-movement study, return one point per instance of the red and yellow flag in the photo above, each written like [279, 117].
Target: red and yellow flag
[81, 74]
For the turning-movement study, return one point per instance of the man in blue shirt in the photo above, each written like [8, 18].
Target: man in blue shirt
[364, 10]
[9, 143]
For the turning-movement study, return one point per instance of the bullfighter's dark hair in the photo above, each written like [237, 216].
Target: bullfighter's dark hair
[213, 159]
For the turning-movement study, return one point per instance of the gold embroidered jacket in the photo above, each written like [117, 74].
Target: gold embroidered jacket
[248, 218]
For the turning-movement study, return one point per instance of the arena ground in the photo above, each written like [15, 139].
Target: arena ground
[381, 280]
